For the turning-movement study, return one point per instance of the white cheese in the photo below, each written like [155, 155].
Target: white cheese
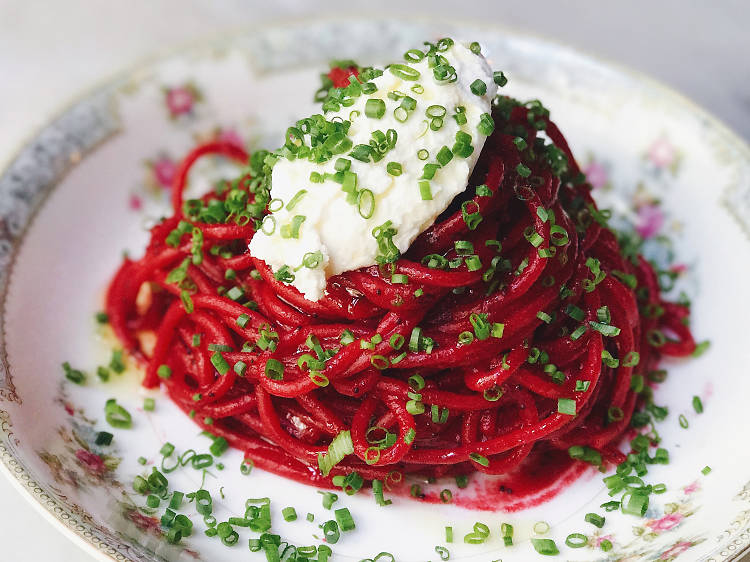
[335, 227]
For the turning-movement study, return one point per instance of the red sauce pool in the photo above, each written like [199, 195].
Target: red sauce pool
[537, 480]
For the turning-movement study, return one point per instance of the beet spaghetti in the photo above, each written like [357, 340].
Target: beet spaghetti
[514, 325]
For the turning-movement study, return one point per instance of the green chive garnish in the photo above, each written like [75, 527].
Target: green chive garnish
[697, 405]
[375, 108]
[546, 547]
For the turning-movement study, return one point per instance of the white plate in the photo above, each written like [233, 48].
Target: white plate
[84, 189]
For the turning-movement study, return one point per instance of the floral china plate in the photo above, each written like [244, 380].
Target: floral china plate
[86, 188]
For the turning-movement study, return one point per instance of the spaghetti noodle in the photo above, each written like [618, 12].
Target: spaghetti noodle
[512, 325]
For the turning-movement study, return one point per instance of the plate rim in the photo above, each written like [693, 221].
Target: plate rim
[19, 478]
[71, 534]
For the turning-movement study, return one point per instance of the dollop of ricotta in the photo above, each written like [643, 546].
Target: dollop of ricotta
[425, 133]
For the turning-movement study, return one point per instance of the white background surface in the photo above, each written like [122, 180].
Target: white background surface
[52, 50]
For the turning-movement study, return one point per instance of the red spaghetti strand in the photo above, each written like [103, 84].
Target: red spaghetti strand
[553, 307]
[227, 149]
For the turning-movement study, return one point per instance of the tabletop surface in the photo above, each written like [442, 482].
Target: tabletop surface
[51, 51]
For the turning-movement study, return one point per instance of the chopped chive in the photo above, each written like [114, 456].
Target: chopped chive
[331, 531]
[523, 171]
[246, 466]
[73, 375]
[576, 540]
[410, 435]
[219, 446]
[413, 55]
[486, 124]
[116, 415]
[340, 447]
[446, 496]
[479, 534]
[404, 72]
[117, 364]
[478, 87]
[344, 519]
[424, 190]
[219, 347]
[574, 312]
[605, 329]
[634, 503]
[449, 534]
[176, 501]
[218, 361]
[240, 368]
[149, 404]
[444, 156]
[582, 386]
[595, 519]
[236, 293]
[701, 348]
[298, 196]
[578, 332]
[365, 203]
[546, 547]
[479, 459]
[697, 405]
[375, 108]
[164, 371]
[473, 263]
[394, 168]
[544, 317]
[274, 369]
[103, 438]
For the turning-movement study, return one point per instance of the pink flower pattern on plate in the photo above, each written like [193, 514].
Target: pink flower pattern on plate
[231, 136]
[650, 219]
[666, 523]
[596, 174]
[164, 171]
[181, 100]
[675, 550]
[692, 488]
[135, 203]
[144, 522]
[92, 462]
[661, 153]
